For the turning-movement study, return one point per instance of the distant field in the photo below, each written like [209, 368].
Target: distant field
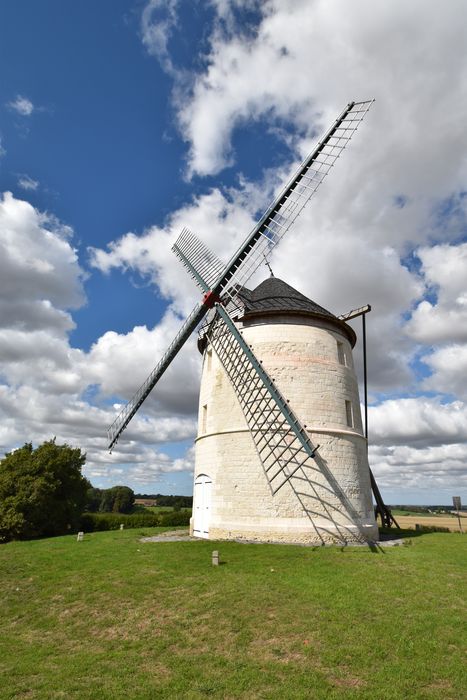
[449, 521]
[397, 511]
[162, 509]
[112, 618]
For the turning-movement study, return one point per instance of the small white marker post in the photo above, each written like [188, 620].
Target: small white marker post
[80, 537]
[456, 501]
[215, 558]
[121, 526]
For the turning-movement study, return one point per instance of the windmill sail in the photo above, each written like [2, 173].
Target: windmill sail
[282, 443]
[257, 247]
[125, 416]
[289, 204]
[202, 264]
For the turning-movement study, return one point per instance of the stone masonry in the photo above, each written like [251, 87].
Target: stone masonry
[309, 355]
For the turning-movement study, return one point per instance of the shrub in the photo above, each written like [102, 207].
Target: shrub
[176, 517]
[96, 522]
[431, 528]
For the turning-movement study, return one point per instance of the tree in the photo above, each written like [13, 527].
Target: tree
[93, 499]
[118, 499]
[42, 490]
[107, 501]
[124, 499]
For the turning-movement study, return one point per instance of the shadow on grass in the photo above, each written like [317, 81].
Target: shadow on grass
[386, 533]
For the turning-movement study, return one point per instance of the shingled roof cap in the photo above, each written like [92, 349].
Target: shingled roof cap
[274, 296]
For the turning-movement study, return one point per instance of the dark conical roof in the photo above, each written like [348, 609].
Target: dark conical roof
[274, 295]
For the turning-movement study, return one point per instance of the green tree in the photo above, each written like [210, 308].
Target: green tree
[107, 501]
[124, 499]
[93, 499]
[117, 499]
[42, 490]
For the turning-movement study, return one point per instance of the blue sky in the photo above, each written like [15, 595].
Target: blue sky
[99, 141]
[122, 121]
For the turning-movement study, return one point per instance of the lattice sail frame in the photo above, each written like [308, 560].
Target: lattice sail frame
[257, 247]
[288, 206]
[282, 443]
[129, 410]
[202, 264]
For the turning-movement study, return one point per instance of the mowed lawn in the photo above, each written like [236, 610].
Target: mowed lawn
[112, 617]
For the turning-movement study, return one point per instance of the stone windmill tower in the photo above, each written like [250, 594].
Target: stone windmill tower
[274, 363]
[242, 490]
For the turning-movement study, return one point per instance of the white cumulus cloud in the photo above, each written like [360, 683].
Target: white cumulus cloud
[49, 388]
[444, 268]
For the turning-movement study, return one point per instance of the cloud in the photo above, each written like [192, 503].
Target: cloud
[40, 281]
[158, 20]
[428, 474]
[418, 448]
[385, 197]
[32, 414]
[150, 254]
[38, 267]
[449, 370]
[316, 264]
[27, 183]
[145, 471]
[49, 380]
[444, 268]
[302, 49]
[119, 363]
[419, 421]
[387, 228]
[48, 387]
[22, 105]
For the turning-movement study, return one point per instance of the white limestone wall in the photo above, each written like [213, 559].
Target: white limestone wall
[318, 378]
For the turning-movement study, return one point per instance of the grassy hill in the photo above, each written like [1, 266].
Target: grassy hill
[114, 618]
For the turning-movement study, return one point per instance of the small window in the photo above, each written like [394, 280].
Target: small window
[209, 360]
[349, 413]
[341, 353]
[204, 418]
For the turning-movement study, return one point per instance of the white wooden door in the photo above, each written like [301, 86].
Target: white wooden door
[202, 505]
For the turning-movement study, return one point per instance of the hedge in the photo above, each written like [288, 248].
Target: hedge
[430, 528]
[93, 522]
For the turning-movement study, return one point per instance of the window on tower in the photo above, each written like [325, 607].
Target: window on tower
[349, 413]
[209, 360]
[341, 353]
[204, 418]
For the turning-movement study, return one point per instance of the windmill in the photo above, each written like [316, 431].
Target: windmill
[291, 464]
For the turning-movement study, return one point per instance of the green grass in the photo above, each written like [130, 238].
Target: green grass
[113, 618]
